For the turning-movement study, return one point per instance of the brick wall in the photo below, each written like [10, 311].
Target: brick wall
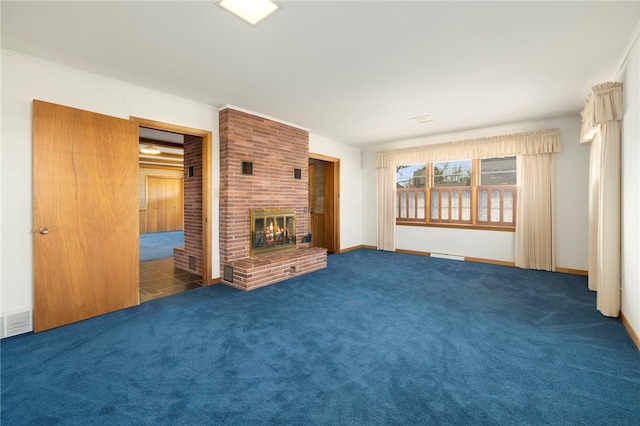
[193, 230]
[275, 149]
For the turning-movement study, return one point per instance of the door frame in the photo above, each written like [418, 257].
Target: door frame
[335, 232]
[206, 184]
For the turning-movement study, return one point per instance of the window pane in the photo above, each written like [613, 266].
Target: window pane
[504, 178]
[445, 205]
[412, 205]
[435, 205]
[452, 173]
[495, 206]
[455, 205]
[506, 164]
[507, 206]
[466, 204]
[403, 205]
[421, 205]
[483, 205]
[498, 171]
[412, 176]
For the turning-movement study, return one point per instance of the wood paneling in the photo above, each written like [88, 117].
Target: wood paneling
[165, 205]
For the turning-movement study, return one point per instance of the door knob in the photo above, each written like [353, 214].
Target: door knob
[44, 231]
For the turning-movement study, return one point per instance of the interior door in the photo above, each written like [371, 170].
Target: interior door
[316, 203]
[329, 208]
[85, 190]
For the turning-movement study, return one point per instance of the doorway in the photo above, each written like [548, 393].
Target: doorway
[324, 202]
[174, 209]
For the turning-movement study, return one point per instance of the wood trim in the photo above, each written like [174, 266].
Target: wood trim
[207, 140]
[572, 271]
[159, 125]
[336, 205]
[401, 222]
[324, 157]
[361, 246]
[148, 141]
[420, 253]
[207, 271]
[160, 167]
[627, 325]
[490, 261]
[162, 161]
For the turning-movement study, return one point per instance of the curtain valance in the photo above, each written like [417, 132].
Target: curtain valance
[537, 142]
[603, 104]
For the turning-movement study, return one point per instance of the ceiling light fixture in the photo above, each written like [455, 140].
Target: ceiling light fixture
[252, 11]
[422, 119]
[150, 150]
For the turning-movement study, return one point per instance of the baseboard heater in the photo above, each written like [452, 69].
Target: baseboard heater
[447, 256]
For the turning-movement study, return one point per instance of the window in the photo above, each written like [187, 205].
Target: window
[474, 193]
[497, 191]
[451, 192]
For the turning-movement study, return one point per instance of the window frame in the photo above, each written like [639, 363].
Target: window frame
[474, 188]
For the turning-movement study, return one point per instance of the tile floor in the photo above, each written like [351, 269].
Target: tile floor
[158, 278]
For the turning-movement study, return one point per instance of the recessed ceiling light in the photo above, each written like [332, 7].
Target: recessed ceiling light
[422, 119]
[252, 11]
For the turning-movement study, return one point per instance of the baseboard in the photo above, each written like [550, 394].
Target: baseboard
[361, 246]
[491, 261]
[572, 271]
[632, 333]
[419, 253]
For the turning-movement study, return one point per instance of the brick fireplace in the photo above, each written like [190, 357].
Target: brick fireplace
[263, 167]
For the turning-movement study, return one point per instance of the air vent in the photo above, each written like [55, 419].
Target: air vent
[423, 119]
[228, 273]
[18, 323]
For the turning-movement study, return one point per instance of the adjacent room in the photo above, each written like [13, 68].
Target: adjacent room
[345, 212]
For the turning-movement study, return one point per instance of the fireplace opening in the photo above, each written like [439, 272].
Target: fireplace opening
[272, 230]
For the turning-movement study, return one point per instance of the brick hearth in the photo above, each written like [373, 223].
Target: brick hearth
[275, 150]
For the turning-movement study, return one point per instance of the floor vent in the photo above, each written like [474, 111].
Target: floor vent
[447, 256]
[18, 323]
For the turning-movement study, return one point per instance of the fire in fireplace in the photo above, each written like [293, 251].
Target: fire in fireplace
[272, 230]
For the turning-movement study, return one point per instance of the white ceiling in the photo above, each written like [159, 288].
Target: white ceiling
[352, 71]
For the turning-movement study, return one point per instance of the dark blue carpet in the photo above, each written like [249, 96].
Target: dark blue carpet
[159, 245]
[375, 339]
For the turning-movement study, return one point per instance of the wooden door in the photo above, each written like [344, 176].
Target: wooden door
[165, 205]
[86, 243]
[316, 203]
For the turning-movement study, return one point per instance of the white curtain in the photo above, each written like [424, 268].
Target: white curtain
[535, 248]
[535, 233]
[601, 125]
[387, 208]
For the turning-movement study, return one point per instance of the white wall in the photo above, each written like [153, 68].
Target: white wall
[25, 79]
[572, 169]
[630, 296]
[350, 187]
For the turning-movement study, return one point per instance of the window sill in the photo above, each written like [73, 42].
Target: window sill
[457, 226]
